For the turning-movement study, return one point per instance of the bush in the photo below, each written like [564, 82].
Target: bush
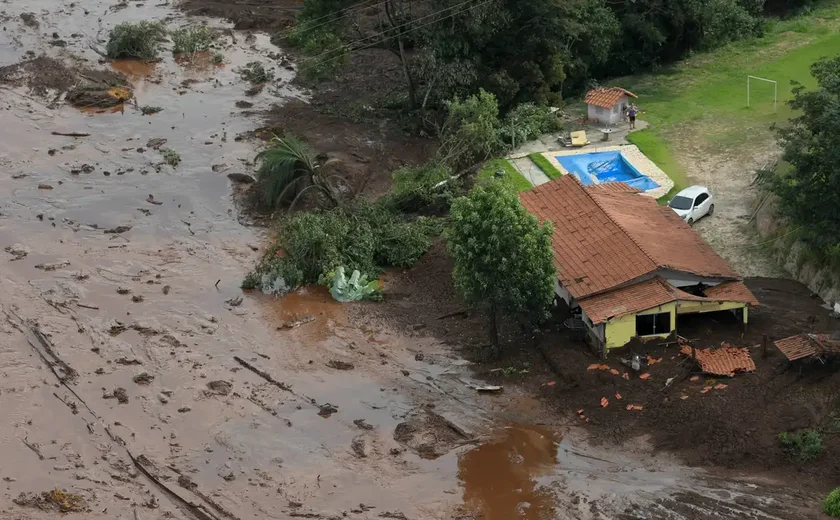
[527, 122]
[831, 505]
[427, 189]
[471, 130]
[192, 39]
[364, 236]
[135, 40]
[805, 446]
[171, 157]
[256, 73]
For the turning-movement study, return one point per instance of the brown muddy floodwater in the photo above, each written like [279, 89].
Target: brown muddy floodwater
[500, 477]
[138, 378]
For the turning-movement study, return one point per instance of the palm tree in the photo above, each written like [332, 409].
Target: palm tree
[289, 169]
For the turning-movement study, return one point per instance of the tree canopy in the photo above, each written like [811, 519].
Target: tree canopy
[810, 192]
[503, 257]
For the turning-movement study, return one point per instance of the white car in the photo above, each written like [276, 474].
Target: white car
[693, 203]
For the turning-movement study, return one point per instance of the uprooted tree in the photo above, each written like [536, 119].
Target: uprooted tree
[503, 256]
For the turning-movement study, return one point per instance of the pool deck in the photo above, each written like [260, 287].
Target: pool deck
[632, 154]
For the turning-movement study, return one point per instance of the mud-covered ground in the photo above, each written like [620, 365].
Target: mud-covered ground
[140, 382]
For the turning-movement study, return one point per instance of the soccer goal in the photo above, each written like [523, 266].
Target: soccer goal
[775, 90]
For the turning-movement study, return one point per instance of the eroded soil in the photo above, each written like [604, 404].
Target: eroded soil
[140, 382]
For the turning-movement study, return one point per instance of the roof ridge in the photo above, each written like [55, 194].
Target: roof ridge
[622, 228]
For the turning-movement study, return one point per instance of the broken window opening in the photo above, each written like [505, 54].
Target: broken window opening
[651, 324]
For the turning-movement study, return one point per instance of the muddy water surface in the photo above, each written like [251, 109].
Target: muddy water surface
[136, 378]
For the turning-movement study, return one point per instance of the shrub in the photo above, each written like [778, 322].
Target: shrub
[427, 189]
[192, 39]
[171, 157]
[527, 122]
[471, 130]
[288, 167]
[364, 236]
[256, 73]
[149, 110]
[135, 40]
[831, 505]
[218, 58]
[805, 446]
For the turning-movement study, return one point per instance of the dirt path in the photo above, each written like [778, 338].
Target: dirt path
[138, 378]
[729, 173]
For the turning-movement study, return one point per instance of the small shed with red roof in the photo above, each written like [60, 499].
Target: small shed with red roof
[607, 104]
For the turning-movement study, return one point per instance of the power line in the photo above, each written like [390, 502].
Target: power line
[304, 66]
[347, 12]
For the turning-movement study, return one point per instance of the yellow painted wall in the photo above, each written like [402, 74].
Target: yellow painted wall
[622, 329]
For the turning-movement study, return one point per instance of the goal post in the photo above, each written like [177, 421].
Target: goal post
[775, 90]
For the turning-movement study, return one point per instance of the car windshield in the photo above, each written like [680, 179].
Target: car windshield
[679, 202]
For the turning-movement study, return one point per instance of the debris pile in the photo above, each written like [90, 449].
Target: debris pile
[724, 361]
[804, 346]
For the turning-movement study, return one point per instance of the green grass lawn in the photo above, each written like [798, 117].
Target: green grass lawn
[706, 94]
[489, 169]
[545, 165]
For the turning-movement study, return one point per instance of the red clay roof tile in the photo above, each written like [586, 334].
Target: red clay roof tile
[807, 345]
[604, 238]
[724, 361]
[606, 97]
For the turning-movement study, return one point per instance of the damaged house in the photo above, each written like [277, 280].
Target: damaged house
[629, 266]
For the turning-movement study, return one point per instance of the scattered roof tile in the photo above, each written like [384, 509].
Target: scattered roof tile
[807, 345]
[724, 361]
[606, 97]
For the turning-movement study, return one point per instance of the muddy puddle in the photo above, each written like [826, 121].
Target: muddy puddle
[137, 374]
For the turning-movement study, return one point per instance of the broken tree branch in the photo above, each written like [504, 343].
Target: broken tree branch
[71, 134]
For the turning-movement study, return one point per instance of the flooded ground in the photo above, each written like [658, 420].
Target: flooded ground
[141, 381]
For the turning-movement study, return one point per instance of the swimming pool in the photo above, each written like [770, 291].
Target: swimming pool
[602, 167]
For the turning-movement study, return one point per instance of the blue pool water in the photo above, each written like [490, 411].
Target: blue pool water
[602, 167]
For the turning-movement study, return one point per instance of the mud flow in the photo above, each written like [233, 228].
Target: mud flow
[140, 382]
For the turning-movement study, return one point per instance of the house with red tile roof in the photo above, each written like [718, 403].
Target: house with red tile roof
[606, 104]
[628, 265]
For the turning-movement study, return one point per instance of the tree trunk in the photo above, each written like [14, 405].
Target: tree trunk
[494, 328]
[412, 92]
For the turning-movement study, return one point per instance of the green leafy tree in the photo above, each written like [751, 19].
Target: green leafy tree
[519, 51]
[503, 257]
[810, 193]
[471, 130]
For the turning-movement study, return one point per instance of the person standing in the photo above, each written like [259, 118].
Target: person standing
[631, 114]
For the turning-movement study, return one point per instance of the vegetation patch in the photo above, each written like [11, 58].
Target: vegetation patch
[831, 504]
[363, 236]
[190, 40]
[289, 169]
[545, 165]
[148, 110]
[136, 40]
[256, 73]
[170, 157]
[491, 169]
[804, 446]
